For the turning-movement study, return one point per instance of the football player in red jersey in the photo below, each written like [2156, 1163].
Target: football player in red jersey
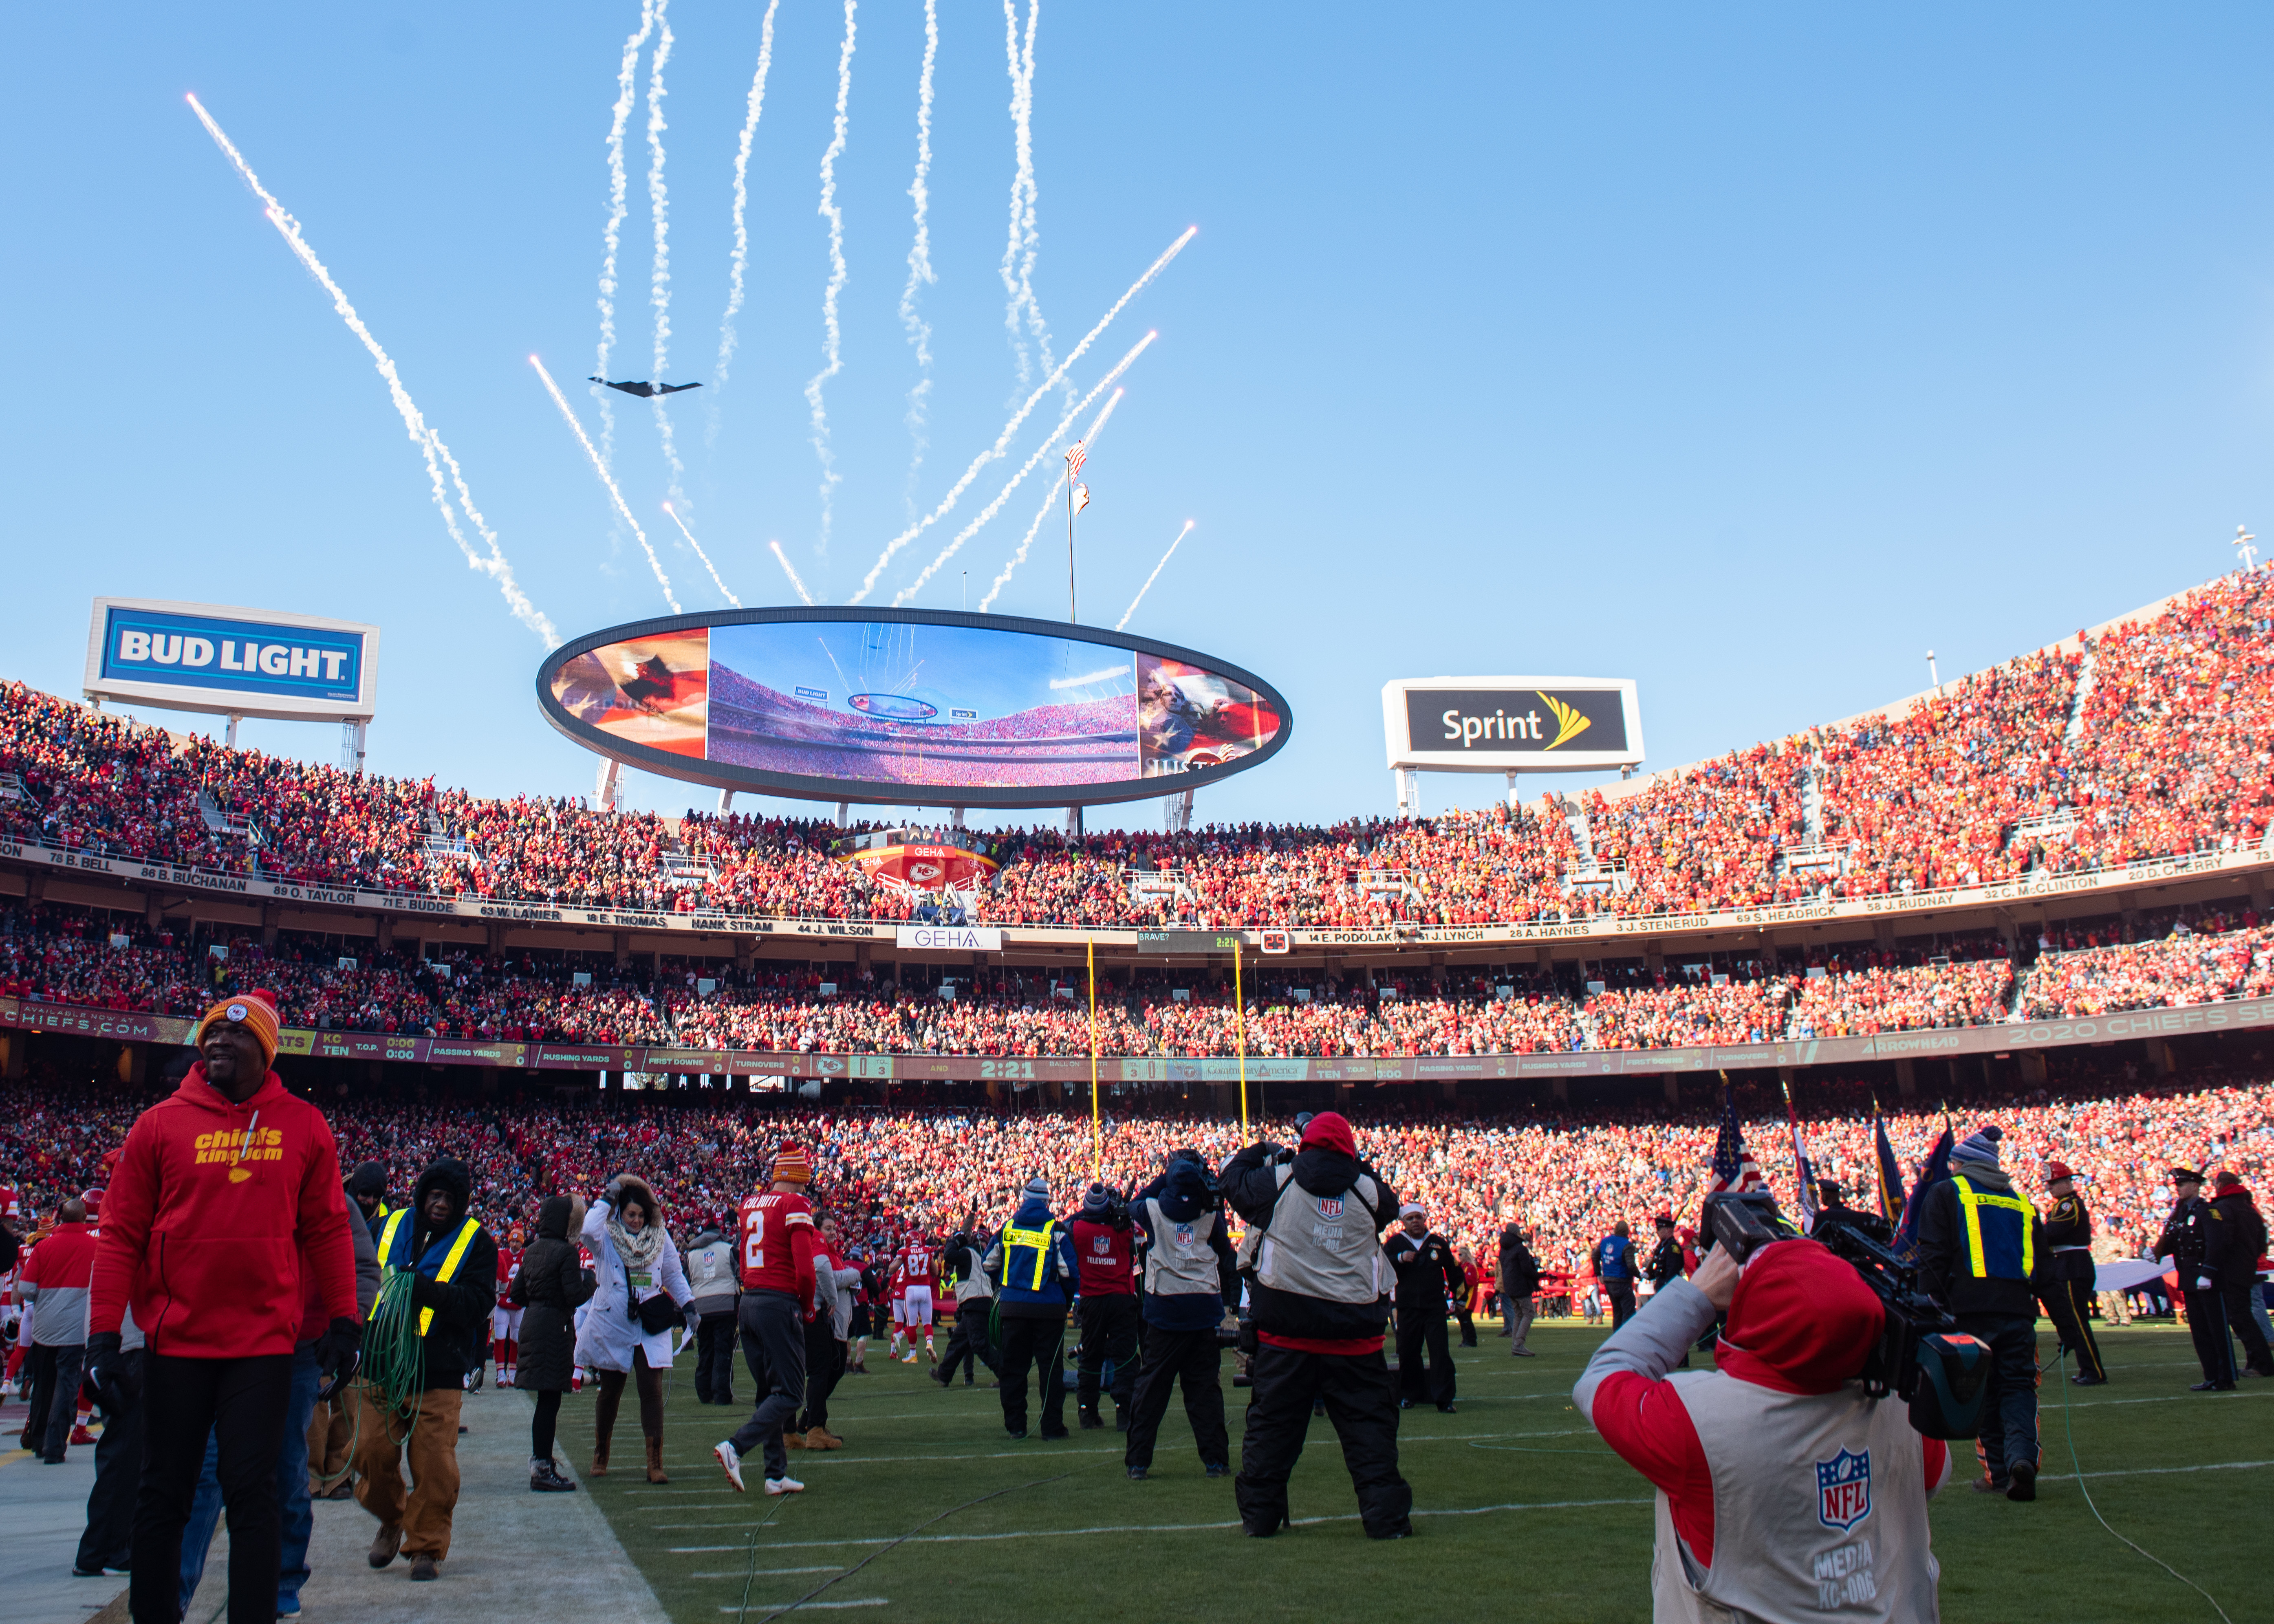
[917, 1269]
[505, 1319]
[777, 1243]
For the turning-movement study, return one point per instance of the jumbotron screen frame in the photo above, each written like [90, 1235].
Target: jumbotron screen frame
[800, 786]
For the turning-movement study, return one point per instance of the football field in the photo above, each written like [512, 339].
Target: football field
[932, 1513]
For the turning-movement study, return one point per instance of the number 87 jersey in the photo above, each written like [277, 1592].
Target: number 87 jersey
[777, 1245]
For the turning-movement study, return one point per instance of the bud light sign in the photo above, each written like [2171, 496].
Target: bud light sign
[199, 657]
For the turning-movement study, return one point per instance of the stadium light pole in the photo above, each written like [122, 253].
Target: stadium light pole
[2242, 547]
[1933, 677]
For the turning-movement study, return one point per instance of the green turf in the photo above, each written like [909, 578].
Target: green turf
[1519, 1510]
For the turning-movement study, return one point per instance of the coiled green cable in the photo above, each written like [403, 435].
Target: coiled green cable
[394, 1360]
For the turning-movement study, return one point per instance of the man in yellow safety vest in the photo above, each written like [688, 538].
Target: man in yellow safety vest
[438, 1282]
[1979, 1244]
[1033, 1259]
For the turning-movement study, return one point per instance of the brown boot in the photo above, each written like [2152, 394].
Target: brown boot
[792, 1440]
[822, 1438]
[655, 1473]
[387, 1542]
[603, 1425]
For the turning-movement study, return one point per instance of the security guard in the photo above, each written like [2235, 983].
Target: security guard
[1034, 1258]
[1422, 1262]
[1978, 1246]
[1321, 1290]
[2245, 1232]
[2195, 1239]
[2066, 1272]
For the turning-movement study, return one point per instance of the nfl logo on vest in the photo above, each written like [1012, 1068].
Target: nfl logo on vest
[1844, 1489]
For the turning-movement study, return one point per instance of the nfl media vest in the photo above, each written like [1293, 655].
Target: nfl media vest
[1181, 1263]
[1815, 1499]
[1322, 1246]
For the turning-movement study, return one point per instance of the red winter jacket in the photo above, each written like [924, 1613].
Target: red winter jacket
[215, 1215]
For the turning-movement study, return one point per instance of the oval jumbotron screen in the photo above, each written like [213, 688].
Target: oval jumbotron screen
[910, 706]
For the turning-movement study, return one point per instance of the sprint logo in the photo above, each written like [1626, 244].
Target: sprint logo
[1569, 723]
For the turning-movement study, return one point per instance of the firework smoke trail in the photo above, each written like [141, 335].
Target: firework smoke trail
[1019, 252]
[740, 260]
[789, 570]
[1003, 440]
[601, 468]
[1040, 451]
[700, 554]
[830, 476]
[920, 271]
[610, 234]
[1155, 575]
[659, 201]
[1096, 427]
[1017, 479]
[429, 443]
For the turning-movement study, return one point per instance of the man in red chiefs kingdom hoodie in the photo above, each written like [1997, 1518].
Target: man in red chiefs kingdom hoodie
[225, 1200]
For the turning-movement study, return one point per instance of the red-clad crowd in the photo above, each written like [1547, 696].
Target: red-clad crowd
[64, 955]
[1569, 1174]
[2147, 741]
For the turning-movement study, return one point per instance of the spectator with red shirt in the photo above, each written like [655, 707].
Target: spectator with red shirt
[1784, 1492]
[223, 1211]
[778, 1246]
[53, 1282]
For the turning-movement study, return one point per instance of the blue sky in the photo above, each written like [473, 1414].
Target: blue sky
[1750, 352]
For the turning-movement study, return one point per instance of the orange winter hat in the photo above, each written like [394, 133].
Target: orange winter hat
[255, 1010]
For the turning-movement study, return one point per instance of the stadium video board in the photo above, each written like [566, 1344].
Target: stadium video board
[910, 706]
[228, 661]
[1511, 724]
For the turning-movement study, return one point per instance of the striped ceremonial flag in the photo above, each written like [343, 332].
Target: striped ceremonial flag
[1075, 458]
[1735, 1170]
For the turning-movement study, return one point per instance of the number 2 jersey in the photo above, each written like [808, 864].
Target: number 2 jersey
[778, 1244]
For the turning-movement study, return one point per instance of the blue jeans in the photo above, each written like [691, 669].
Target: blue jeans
[297, 1517]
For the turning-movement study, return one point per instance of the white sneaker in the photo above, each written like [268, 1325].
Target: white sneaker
[731, 1458]
[911, 1357]
[783, 1486]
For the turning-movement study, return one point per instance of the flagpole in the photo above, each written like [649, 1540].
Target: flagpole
[1074, 611]
[1240, 1021]
[1096, 1134]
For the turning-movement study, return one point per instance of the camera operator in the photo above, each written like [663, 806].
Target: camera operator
[1320, 1290]
[1978, 1244]
[1784, 1492]
[1104, 1247]
[1190, 1290]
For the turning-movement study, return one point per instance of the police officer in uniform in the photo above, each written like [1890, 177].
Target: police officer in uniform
[1832, 1202]
[1663, 1267]
[2195, 1239]
[2065, 1276]
[1425, 1269]
[1320, 1287]
[1978, 1246]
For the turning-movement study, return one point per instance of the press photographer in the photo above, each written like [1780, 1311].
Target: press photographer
[1786, 1490]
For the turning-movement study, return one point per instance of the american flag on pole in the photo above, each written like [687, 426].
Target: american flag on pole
[1735, 1170]
[1080, 497]
[1075, 458]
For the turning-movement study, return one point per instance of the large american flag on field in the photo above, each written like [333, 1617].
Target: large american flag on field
[1735, 1170]
[1075, 458]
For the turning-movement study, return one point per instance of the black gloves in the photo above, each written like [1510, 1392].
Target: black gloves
[340, 1347]
[427, 1292]
[111, 1376]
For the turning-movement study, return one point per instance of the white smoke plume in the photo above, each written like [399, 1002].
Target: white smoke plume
[431, 448]
[1155, 575]
[611, 233]
[608, 482]
[790, 570]
[700, 554]
[658, 202]
[1040, 451]
[830, 337]
[1003, 440]
[738, 263]
[1025, 240]
[1096, 427]
[920, 272]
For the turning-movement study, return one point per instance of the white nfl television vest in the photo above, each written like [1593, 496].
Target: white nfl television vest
[1180, 1262]
[1322, 1247]
[1819, 1511]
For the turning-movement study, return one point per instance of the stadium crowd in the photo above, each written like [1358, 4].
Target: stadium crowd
[888, 1174]
[64, 955]
[2147, 741]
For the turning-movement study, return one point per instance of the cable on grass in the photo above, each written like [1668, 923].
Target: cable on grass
[896, 1545]
[2070, 1431]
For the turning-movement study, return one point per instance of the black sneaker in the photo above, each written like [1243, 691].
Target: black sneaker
[1137, 1473]
[1018, 1436]
[1091, 1423]
[2024, 1486]
[1217, 1468]
[2212, 1387]
[1447, 1409]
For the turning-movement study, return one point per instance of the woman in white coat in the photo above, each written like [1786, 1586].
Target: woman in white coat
[635, 1263]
